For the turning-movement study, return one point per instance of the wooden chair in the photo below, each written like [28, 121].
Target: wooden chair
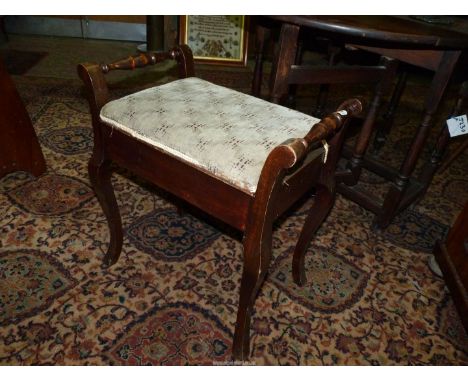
[241, 159]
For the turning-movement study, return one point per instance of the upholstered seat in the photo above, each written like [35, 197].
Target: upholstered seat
[240, 159]
[218, 130]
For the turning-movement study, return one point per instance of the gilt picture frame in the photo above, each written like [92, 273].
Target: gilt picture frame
[220, 40]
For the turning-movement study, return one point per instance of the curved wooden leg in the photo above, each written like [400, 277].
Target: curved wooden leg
[100, 175]
[323, 203]
[257, 254]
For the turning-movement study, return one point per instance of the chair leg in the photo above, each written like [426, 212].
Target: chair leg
[260, 37]
[100, 175]
[383, 129]
[333, 52]
[257, 254]
[323, 203]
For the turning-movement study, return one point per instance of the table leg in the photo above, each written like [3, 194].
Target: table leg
[283, 60]
[394, 199]
[389, 115]
[292, 89]
[260, 37]
[355, 163]
[333, 51]
[433, 164]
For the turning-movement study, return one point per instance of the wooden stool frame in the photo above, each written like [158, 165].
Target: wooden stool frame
[285, 177]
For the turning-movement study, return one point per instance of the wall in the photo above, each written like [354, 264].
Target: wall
[127, 28]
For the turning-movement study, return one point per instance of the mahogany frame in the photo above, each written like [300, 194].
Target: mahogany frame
[402, 39]
[286, 176]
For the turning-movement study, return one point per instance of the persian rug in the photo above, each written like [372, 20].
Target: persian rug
[171, 299]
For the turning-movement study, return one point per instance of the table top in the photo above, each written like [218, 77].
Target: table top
[398, 31]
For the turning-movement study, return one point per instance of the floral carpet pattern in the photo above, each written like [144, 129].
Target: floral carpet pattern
[171, 299]
[175, 334]
[168, 236]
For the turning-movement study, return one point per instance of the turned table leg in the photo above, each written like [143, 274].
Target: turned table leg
[396, 193]
[389, 116]
[433, 164]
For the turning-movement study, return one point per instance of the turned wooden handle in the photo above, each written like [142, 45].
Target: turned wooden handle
[137, 61]
[334, 121]
[294, 149]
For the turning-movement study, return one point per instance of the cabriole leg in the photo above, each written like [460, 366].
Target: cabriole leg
[100, 175]
[257, 254]
[323, 203]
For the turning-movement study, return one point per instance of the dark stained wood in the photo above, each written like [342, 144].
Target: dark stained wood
[3, 33]
[355, 164]
[388, 116]
[138, 61]
[430, 168]
[154, 33]
[260, 37]
[283, 60]
[381, 76]
[19, 147]
[186, 182]
[257, 236]
[282, 182]
[452, 257]
[367, 201]
[427, 59]
[396, 193]
[308, 74]
[323, 203]
[100, 175]
[333, 54]
[382, 31]
[372, 163]
[401, 38]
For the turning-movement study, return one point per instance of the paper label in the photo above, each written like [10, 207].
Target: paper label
[457, 125]
[326, 147]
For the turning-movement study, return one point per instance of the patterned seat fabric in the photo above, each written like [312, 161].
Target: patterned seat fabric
[218, 130]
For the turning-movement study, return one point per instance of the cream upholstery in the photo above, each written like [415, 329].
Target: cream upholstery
[219, 130]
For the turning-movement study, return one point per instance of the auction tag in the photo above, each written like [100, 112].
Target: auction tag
[326, 148]
[457, 125]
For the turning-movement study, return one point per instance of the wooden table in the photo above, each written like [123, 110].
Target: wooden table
[432, 47]
[19, 147]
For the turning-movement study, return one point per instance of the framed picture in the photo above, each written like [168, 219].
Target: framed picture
[216, 39]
